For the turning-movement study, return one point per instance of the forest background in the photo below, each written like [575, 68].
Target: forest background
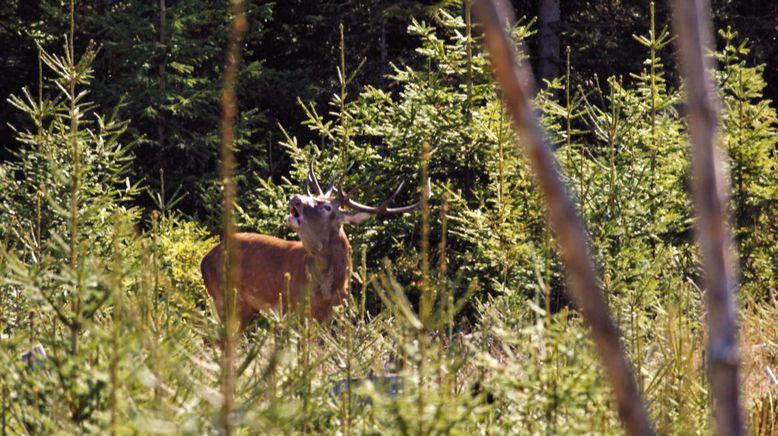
[171, 64]
[115, 297]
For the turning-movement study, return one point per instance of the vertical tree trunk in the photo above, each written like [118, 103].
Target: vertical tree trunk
[383, 41]
[548, 41]
[692, 21]
[231, 257]
[517, 86]
[162, 75]
[383, 44]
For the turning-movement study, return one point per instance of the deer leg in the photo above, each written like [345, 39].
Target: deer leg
[245, 314]
[217, 304]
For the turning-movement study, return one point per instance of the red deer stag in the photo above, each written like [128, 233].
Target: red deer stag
[320, 263]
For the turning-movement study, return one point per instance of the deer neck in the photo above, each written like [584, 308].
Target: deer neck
[330, 268]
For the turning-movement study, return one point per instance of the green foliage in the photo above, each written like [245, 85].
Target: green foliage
[749, 124]
[66, 222]
[171, 64]
[115, 297]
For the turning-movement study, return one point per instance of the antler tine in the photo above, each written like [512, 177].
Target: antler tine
[382, 209]
[356, 188]
[311, 179]
[330, 185]
[341, 178]
[384, 205]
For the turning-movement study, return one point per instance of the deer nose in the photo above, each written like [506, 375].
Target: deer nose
[295, 205]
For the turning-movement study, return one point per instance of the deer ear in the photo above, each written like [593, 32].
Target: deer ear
[356, 218]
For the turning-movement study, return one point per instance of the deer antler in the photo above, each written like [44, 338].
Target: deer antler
[311, 179]
[344, 199]
[331, 185]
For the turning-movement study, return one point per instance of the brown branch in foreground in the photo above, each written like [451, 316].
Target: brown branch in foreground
[518, 85]
[691, 19]
[230, 272]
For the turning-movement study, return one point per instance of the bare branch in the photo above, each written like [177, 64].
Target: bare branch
[771, 376]
[691, 19]
[518, 85]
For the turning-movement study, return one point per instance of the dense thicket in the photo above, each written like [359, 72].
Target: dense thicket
[111, 196]
[167, 55]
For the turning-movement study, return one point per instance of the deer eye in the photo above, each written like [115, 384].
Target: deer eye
[327, 207]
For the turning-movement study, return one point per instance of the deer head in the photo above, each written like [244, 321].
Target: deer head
[319, 216]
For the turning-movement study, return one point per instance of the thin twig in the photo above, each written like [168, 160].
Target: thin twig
[771, 375]
[517, 86]
[691, 19]
[73, 73]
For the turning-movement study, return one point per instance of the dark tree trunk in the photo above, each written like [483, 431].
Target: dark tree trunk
[162, 75]
[548, 41]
